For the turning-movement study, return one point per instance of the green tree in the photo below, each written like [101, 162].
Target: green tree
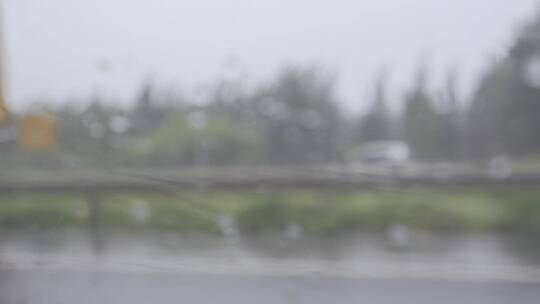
[149, 111]
[503, 117]
[421, 123]
[450, 118]
[194, 137]
[376, 124]
[299, 117]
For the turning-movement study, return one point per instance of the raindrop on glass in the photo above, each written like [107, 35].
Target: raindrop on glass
[198, 120]
[119, 124]
[532, 73]
[140, 211]
[97, 130]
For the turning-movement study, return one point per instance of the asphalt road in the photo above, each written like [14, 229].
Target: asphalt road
[86, 286]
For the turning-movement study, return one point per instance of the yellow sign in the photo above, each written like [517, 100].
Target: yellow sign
[38, 133]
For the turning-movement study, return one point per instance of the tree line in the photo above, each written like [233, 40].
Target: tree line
[296, 119]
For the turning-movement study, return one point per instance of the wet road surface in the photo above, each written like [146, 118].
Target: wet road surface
[57, 286]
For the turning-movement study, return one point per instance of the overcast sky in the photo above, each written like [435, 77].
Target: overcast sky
[66, 50]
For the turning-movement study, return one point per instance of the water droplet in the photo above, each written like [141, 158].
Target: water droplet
[97, 130]
[500, 167]
[228, 227]
[198, 120]
[399, 235]
[80, 209]
[140, 211]
[119, 124]
[294, 232]
[273, 108]
[532, 73]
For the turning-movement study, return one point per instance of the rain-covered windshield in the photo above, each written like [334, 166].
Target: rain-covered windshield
[208, 151]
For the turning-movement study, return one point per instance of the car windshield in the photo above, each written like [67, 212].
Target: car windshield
[271, 151]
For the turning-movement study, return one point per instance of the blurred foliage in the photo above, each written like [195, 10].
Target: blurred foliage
[296, 119]
[39, 212]
[327, 213]
[317, 213]
[180, 141]
[377, 123]
[503, 117]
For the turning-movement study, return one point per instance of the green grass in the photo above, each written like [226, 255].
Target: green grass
[530, 164]
[40, 211]
[321, 214]
[317, 212]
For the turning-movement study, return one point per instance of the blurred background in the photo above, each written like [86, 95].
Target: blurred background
[271, 151]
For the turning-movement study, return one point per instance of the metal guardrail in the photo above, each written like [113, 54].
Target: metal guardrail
[157, 183]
